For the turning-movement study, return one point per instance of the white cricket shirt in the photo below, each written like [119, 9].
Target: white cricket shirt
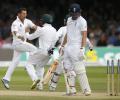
[47, 36]
[74, 30]
[19, 27]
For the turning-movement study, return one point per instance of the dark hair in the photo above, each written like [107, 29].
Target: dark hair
[21, 9]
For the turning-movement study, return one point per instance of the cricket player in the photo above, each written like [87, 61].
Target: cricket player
[19, 44]
[55, 77]
[75, 41]
[47, 39]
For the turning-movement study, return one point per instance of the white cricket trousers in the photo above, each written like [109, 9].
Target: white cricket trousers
[74, 63]
[19, 47]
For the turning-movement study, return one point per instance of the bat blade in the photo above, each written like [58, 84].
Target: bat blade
[48, 75]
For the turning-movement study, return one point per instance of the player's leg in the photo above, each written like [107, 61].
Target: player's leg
[43, 60]
[55, 77]
[32, 73]
[66, 82]
[36, 58]
[40, 74]
[70, 74]
[80, 71]
[25, 47]
[82, 77]
[6, 79]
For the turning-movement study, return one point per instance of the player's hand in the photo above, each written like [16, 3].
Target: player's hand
[91, 48]
[82, 49]
[27, 29]
[82, 53]
[50, 52]
[21, 37]
[61, 51]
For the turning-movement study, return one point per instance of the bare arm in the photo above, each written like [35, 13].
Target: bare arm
[84, 37]
[63, 44]
[64, 41]
[14, 33]
[89, 44]
[34, 28]
[34, 35]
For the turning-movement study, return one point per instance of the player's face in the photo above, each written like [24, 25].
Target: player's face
[75, 15]
[22, 15]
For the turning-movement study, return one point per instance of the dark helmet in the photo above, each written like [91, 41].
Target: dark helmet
[47, 18]
[74, 8]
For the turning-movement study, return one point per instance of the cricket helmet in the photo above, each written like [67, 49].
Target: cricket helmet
[47, 18]
[74, 8]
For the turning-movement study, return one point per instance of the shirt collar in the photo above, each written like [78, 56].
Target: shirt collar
[19, 20]
[46, 24]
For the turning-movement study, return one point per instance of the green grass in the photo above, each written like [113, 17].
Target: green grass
[21, 81]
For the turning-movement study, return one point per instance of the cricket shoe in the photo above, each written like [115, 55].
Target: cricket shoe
[87, 93]
[35, 82]
[5, 83]
[39, 86]
[52, 89]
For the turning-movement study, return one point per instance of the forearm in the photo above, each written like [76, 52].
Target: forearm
[34, 35]
[31, 36]
[18, 35]
[64, 41]
[84, 37]
[89, 43]
[34, 28]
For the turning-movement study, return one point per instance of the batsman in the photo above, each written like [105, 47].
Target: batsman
[75, 41]
[60, 69]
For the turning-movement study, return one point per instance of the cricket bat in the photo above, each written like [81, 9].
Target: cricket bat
[48, 75]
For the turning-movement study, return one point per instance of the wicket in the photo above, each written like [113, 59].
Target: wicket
[113, 77]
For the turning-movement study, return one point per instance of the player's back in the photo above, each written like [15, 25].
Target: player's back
[48, 37]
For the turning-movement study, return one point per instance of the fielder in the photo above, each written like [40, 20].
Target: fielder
[55, 77]
[47, 39]
[19, 42]
[75, 41]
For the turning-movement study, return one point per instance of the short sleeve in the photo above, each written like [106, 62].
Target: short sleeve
[83, 25]
[14, 27]
[30, 24]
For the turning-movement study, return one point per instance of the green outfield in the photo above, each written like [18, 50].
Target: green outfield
[21, 82]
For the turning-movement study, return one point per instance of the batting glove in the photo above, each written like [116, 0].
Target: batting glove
[82, 51]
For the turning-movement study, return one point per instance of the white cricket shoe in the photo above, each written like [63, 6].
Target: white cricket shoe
[39, 86]
[52, 89]
[87, 92]
[5, 83]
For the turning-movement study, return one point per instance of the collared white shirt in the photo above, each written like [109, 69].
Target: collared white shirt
[74, 30]
[19, 27]
[47, 36]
